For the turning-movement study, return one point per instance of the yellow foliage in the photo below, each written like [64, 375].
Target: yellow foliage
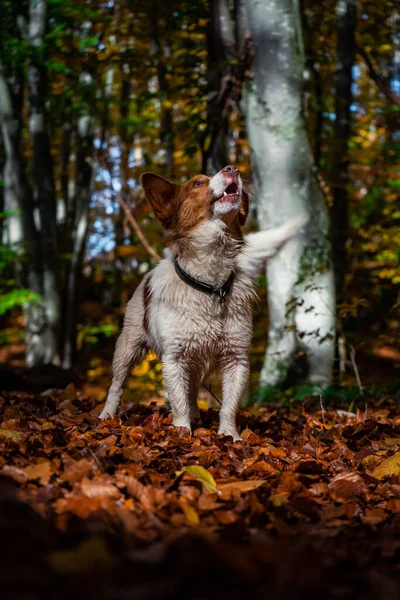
[141, 369]
[137, 384]
[203, 404]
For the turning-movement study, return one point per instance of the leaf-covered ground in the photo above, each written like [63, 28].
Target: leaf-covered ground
[308, 503]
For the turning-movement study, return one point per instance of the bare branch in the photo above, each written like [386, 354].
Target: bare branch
[382, 83]
[136, 227]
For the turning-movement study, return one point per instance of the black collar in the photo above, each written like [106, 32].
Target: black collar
[207, 288]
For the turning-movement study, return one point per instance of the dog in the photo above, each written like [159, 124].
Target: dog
[194, 308]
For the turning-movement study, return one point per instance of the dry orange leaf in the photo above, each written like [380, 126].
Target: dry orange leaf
[347, 485]
[93, 488]
[234, 489]
[40, 471]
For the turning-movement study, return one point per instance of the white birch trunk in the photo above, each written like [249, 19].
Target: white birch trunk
[300, 277]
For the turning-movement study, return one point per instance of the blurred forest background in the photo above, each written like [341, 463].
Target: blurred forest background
[93, 93]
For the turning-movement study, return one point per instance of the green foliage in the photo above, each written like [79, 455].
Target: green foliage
[17, 298]
[10, 298]
[90, 334]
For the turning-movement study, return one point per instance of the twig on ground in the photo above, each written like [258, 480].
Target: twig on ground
[322, 408]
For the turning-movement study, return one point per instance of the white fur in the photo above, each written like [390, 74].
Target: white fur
[190, 331]
[218, 184]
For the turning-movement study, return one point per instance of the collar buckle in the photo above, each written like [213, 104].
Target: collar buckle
[221, 295]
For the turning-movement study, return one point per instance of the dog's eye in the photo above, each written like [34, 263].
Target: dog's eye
[197, 183]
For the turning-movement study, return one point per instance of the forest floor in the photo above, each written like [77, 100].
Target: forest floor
[307, 504]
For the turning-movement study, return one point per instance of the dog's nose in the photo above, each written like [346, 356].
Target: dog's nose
[230, 170]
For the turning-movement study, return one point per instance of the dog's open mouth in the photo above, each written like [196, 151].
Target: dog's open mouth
[230, 194]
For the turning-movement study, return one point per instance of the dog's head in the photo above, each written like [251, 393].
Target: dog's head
[182, 208]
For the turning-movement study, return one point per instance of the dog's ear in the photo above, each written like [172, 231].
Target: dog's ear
[244, 208]
[162, 195]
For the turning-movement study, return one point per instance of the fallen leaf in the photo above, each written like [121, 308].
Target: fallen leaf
[80, 505]
[390, 466]
[347, 485]
[388, 441]
[192, 517]
[240, 486]
[99, 489]
[371, 461]
[393, 505]
[11, 434]
[202, 475]
[277, 500]
[143, 493]
[246, 434]
[374, 515]
[226, 517]
[261, 466]
[40, 471]
[15, 473]
[77, 470]
[207, 503]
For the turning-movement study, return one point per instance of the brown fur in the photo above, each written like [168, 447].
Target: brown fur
[181, 208]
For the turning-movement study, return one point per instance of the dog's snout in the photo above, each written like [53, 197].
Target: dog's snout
[230, 170]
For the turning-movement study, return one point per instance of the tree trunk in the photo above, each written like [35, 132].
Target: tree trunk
[220, 50]
[21, 230]
[42, 175]
[311, 29]
[300, 277]
[345, 54]
[85, 172]
[124, 143]
[161, 51]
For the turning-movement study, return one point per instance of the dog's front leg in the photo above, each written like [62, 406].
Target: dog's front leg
[235, 374]
[180, 384]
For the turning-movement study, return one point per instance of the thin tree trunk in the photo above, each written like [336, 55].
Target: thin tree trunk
[42, 175]
[300, 277]
[65, 224]
[116, 290]
[312, 65]
[346, 13]
[161, 51]
[220, 50]
[85, 172]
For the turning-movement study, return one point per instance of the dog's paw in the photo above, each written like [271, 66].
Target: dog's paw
[182, 422]
[105, 415]
[232, 431]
